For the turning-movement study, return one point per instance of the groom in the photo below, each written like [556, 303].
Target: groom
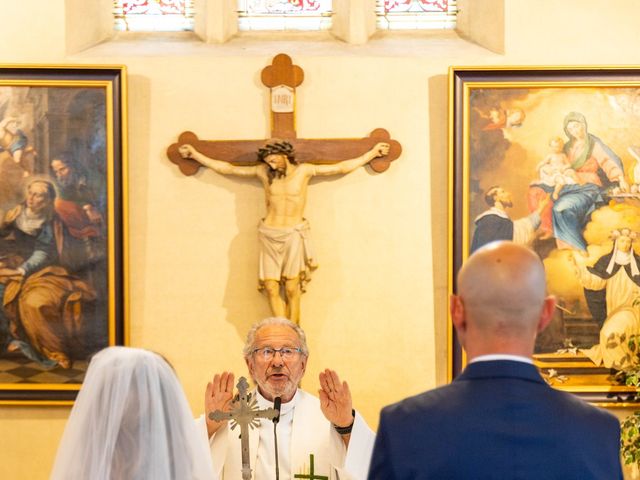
[498, 419]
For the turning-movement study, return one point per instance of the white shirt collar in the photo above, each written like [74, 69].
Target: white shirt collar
[501, 356]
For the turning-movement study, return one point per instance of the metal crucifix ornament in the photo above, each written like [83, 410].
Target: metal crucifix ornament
[244, 412]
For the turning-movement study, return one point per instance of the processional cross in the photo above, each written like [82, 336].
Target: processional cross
[285, 197]
[244, 412]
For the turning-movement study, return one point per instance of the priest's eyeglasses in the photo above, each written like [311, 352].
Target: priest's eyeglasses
[286, 353]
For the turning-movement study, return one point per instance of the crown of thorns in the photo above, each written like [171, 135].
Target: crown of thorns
[279, 147]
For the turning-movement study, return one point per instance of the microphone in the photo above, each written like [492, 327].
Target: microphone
[277, 402]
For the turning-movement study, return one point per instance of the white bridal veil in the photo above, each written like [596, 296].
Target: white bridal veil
[131, 421]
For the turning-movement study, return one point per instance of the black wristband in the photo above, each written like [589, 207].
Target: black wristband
[346, 430]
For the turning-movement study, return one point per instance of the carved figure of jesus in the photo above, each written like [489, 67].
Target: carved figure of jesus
[286, 257]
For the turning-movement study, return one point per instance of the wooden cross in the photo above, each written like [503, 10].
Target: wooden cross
[311, 475]
[245, 413]
[282, 78]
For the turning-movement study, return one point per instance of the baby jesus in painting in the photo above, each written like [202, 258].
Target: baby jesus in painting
[555, 170]
[554, 173]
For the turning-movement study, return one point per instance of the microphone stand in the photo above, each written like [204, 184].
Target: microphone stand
[276, 406]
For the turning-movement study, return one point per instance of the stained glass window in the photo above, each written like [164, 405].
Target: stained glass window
[284, 14]
[153, 15]
[416, 14]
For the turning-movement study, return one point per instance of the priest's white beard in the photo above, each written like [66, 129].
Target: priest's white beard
[285, 391]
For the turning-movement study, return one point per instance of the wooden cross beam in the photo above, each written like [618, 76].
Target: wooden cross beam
[282, 78]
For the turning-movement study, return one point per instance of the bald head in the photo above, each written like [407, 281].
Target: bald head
[502, 293]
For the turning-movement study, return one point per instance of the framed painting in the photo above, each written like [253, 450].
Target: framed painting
[550, 157]
[62, 226]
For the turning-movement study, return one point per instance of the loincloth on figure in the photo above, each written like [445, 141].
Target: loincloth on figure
[285, 253]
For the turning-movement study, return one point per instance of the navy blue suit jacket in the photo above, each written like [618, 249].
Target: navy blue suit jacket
[497, 420]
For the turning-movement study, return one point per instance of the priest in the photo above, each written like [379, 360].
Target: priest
[316, 437]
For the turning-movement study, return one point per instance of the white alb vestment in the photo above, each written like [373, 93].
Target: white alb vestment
[303, 431]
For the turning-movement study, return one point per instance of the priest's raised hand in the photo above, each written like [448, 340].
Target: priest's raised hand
[218, 396]
[335, 402]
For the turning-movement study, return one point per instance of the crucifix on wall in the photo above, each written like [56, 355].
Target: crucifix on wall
[284, 164]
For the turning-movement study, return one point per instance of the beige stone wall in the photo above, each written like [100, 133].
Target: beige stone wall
[376, 308]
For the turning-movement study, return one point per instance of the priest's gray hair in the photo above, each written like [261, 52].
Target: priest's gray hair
[249, 344]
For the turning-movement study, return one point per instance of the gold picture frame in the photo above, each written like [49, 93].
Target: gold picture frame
[63, 252]
[509, 128]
